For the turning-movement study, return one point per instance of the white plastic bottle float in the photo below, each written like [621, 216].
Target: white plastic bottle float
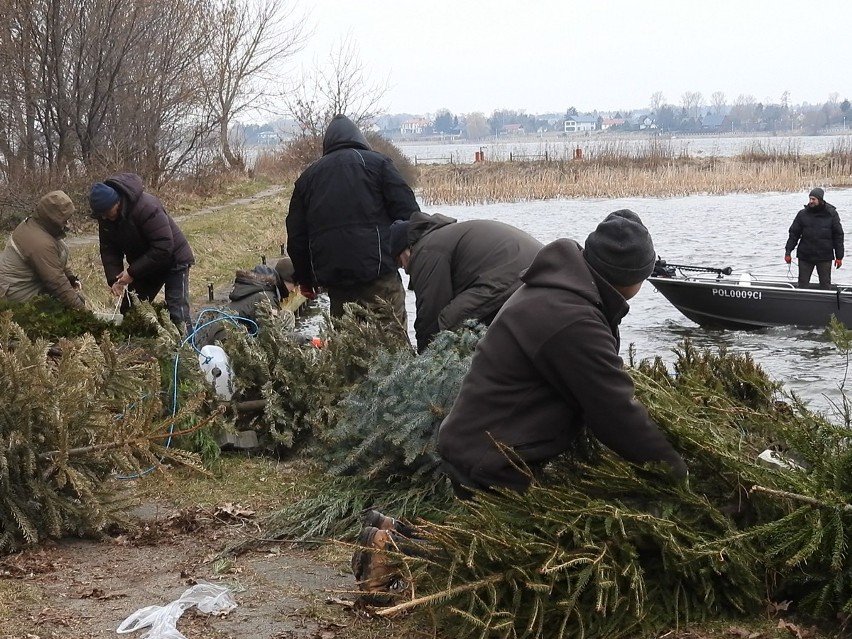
[216, 367]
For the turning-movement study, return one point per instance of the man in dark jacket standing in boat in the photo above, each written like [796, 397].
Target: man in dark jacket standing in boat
[338, 225]
[819, 234]
[134, 226]
[459, 270]
[548, 367]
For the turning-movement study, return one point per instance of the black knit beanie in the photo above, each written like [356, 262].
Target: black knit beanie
[398, 238]
[620, 249]
[818, 193]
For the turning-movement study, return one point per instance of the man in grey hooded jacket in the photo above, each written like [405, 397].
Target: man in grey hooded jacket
[459, 270]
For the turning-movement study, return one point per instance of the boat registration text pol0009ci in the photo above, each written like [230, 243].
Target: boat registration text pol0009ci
[743, 293]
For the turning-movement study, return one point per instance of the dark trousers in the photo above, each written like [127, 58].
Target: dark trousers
[806, 269]
[387, 287]
[176, 283]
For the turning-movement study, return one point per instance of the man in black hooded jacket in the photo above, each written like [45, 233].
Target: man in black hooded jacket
[338, 225]
[548, 367]
[819, 234]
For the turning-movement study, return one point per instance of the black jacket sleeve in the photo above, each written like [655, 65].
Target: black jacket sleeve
[400, 202]
[837, 236]
[112, 257]
[297, 238]
[153, 225]
[432, 283]
[795, 234]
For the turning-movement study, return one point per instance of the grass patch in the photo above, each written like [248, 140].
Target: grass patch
[260, 483]
[15, 593]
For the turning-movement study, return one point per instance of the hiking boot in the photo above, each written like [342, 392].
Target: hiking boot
[375, 570]
[383, 522]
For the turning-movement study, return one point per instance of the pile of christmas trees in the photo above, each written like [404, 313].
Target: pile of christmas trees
[600, 547]
[78, 414]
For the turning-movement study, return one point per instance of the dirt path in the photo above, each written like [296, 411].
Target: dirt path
[84, 589]
[92, 238]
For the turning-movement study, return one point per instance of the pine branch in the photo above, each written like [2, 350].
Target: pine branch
[802, 498]
[452, 592]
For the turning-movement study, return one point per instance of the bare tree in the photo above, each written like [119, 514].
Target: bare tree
[341, 86]
[657, 100]
[691, 102]
[718, 101]
[744, 110]
[100, 84]
[476, 126]
[248, 40]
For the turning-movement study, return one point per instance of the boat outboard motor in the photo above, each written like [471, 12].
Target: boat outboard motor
[661, 269]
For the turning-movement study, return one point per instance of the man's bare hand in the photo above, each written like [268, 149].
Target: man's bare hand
[121, 283]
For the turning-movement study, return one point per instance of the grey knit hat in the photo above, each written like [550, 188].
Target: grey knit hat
[284, 270]
[620, 249]
[818, 193]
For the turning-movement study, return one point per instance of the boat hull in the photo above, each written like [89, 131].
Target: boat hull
[754, 305]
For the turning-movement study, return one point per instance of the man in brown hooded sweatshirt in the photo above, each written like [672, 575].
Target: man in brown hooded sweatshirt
[35, 261]
[548, 367]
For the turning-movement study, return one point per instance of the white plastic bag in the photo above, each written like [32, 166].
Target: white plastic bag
[208, 598]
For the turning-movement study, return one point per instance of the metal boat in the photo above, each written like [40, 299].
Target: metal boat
[722, 298]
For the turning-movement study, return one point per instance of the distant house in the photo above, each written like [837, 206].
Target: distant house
[268, 137]
[646, 122]
[608, 123]
[512, 129]
[414, 126]
[712, 122]
[575, 123]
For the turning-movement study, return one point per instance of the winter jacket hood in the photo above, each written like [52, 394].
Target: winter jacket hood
[549, 270]
[129, 187]
[420, 224]
[249, 282]
[342, 133]
[53, 212]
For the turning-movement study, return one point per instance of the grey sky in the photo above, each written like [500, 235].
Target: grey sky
[547, 55]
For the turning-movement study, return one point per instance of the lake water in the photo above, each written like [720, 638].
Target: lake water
[563, 148]
[747, 232]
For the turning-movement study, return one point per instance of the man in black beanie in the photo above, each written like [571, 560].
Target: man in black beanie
[548, 367]
[819, 234]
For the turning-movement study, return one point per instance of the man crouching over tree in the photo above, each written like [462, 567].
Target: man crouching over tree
[549, 366]
[134, 226]
[35, 261]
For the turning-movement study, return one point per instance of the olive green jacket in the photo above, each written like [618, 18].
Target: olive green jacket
[35, 260]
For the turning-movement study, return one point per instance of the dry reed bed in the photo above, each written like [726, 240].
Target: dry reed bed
[612, 178]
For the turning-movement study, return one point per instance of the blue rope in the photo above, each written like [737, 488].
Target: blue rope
[222, 316]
